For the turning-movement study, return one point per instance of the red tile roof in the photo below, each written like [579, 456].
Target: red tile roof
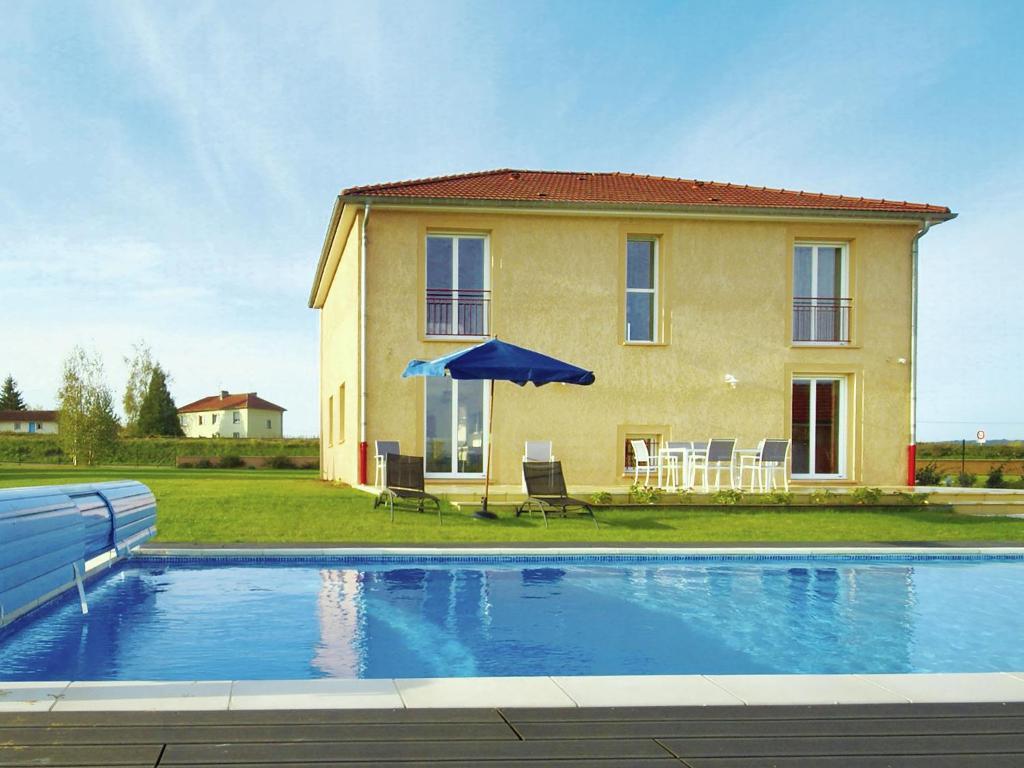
[28, 415]
[625, 189]
[228, 401]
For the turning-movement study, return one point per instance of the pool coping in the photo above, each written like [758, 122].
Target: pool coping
[541, 691]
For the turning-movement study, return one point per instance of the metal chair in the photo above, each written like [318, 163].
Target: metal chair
[403, 479]
[719, 454]
[546, 491]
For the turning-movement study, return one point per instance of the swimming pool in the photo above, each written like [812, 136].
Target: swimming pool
[391, 616]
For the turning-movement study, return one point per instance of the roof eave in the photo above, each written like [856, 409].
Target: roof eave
[325, 250]
[935, 217]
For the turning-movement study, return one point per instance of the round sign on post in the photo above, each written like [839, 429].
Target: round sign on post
[981, 437]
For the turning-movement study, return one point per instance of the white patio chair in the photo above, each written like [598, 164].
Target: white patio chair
[719, 455]
[381, 449]
[751, 461]
[642, 459]
[774, 456]
[674, 460]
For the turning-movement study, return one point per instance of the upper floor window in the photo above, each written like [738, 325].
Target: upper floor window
[214, 418]
[200, 419]
[458, 285]
[821, 294]
[641, 289]
[236, 417]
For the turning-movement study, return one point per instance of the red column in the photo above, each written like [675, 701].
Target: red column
[911, 465]
[362, 463]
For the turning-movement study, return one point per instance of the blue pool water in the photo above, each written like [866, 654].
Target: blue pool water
[167, 620]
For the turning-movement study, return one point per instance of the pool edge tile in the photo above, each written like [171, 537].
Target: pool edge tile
[644, 691]
[144, 696]
[17, 696]
[953, 687]
[490, 692]
[782, 690]
[325, 693]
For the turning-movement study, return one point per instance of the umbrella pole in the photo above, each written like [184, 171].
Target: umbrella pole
[490, 424]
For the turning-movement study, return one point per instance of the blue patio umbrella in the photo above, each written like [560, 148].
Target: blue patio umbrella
[499, 360]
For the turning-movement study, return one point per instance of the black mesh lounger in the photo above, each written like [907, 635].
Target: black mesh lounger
[546, 491]
[404, 480]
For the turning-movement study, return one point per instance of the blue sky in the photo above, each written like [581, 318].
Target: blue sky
[167, 170]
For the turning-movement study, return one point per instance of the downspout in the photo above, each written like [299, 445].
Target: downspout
[362, 348]
[912, 446]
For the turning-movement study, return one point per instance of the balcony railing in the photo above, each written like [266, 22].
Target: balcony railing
[821, 320]
[457, 312]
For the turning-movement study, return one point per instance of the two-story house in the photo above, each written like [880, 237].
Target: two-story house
[704, 309]
[232, 415]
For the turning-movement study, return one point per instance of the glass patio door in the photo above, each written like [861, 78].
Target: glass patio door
[819, 427]
[455, 436]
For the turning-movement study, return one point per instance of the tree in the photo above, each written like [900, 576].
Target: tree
[140, 371]
[88, 426]
[10, 397]
[158, 415]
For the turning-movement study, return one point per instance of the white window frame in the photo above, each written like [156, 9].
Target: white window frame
[841, 420]
[236, 417]
[655, 325]
[844, 287]
[455, 432]
[456, 237]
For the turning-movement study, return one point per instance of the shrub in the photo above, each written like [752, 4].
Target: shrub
[823, 496]
[776, 497]
[966, 480]
[726, 496]
[230, 462]
[915, 499]
[995, 478]
[204, 464]
[866, 495]
[280, 462]
[601, 497]
[644, 494]
[186, 465]
[928, 475]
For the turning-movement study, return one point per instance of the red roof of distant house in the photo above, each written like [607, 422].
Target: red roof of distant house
[226, 401]
[625, 189]
[28, 415]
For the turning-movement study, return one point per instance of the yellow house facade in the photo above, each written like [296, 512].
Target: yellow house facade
[232, 415]
[705, 310]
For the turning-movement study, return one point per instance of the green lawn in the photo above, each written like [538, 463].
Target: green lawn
[226, 506]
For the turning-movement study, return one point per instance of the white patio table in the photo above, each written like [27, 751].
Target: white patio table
[682, 453]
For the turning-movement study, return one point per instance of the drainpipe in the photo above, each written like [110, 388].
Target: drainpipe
[912, 447]
[362, 350]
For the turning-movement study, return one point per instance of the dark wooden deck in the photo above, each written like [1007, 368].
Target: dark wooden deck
[870, 736]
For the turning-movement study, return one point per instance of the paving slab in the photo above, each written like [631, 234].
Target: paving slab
[806, 689]
[166, 696]
[482, 692]
[954, 687]
[29, 696]
[644, 690]
[314, 694]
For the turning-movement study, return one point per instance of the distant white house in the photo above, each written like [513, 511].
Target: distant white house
[29, 422]
[228, 415]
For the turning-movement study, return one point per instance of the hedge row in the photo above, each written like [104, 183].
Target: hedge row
[155, 451]
[950, 449]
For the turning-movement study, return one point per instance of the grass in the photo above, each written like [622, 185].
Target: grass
[283, 506]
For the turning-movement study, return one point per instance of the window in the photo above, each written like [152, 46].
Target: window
[236, 417]
[213, 419]
[17, 426]
[268, 423]
[821, 303]
[183, 420]
[458, 285]
[236, 434]
[653, 443]
[641, 289]
[455, 437]
[341, 413]
[819, 427]
[330, 420]
[200, 418]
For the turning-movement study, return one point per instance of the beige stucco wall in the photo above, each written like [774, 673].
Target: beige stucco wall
[252, 423]
[339, 363]
[42, 427]
[557, 286]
